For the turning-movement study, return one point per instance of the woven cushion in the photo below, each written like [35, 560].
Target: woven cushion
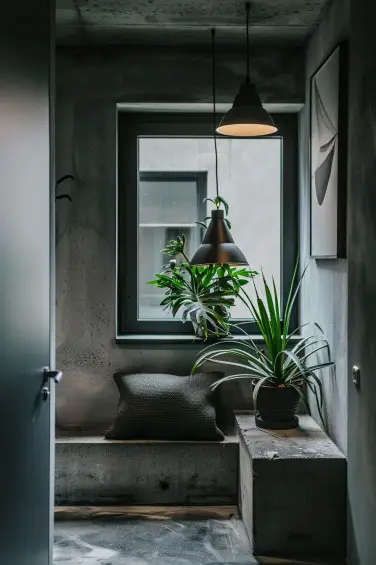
[165, 407]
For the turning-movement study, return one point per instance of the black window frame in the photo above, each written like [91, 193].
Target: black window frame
[130, 127]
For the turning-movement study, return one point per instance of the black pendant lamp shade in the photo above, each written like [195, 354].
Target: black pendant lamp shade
[247, 117]
[218, 246]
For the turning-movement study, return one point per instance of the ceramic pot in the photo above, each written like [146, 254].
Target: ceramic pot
[276, 407]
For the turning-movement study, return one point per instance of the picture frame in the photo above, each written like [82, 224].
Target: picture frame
[328, 115]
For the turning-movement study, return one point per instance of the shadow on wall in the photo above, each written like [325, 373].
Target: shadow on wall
[87, 397]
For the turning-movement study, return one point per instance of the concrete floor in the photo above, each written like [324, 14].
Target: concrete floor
[156, 542]
[151, 542]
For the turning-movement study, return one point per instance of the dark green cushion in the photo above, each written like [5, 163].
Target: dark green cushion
[165, 407]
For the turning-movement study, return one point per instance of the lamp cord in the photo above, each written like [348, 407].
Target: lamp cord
[214, 112]
[247, 9]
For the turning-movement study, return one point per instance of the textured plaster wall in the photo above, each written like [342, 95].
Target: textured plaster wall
[89, 84]
[362, 285]
[324, 290]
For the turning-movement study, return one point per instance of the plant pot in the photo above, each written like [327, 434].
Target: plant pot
[197, 327]
[198, 331]
[276, 407]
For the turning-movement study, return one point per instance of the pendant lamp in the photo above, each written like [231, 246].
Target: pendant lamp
[218, 246]
[247, 117]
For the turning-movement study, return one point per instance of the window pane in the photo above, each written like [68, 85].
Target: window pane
[169, 204]
[167, 201]
[168, 207]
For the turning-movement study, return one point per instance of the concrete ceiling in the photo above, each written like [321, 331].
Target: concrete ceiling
[184, 21]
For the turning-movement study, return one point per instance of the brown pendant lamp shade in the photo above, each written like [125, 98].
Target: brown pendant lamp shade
[218, 246]
[247, 117]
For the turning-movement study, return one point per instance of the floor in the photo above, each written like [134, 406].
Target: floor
[114, 541]
[151, 542]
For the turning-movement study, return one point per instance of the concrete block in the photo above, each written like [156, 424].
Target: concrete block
[292, 490]
[94, 471]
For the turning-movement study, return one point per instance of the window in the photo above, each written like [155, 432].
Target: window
[166, 168]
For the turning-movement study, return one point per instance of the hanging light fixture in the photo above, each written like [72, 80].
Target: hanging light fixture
[247, 117]
[218, 246]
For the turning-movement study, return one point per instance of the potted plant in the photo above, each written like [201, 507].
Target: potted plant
[202, 294]
[284, 370]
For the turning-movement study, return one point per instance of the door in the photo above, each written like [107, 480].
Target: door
[362, 285]
[26, 413]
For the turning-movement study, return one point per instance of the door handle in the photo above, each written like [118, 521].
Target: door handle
[55, 375]
[49, 374]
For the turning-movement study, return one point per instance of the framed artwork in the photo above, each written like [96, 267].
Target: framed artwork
[328, 156]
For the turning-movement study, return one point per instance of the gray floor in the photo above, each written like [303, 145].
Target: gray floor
[151, 542]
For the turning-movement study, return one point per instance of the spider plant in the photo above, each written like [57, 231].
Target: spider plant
[202, 294]
[283, 362]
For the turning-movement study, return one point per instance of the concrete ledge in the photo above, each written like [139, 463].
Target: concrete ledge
[292, 490]
[96, 472]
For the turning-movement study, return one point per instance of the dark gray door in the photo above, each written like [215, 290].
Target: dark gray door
[25, 282]
[362, 284]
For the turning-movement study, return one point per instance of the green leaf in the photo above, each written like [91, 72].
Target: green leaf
[232, 378]
[256, 391]
[315, 351]
[297, 362]
[291, 299]
[321, 366]
[313, 389]
[224, 203]
[202, 225]
[188, 311]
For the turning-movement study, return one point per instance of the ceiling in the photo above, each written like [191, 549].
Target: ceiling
[166, 22]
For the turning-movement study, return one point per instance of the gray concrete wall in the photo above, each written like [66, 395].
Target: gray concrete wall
[324, 290]
[89, 84]
[362, 284]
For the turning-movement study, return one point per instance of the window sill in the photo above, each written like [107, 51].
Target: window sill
[187, 340]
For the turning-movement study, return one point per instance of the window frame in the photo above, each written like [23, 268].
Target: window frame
[130, 127]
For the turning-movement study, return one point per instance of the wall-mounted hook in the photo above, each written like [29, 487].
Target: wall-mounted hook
[58, 182]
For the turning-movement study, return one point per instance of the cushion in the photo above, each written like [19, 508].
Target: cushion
[165, 407]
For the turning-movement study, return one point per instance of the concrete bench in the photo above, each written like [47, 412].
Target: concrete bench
[292, 490]
[95, 471]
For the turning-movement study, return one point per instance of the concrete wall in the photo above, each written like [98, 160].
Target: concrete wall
[324, 290]
[90, 471]
[89, 84]
[362, 284]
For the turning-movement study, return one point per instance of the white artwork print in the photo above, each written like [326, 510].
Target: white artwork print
[324, 159]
